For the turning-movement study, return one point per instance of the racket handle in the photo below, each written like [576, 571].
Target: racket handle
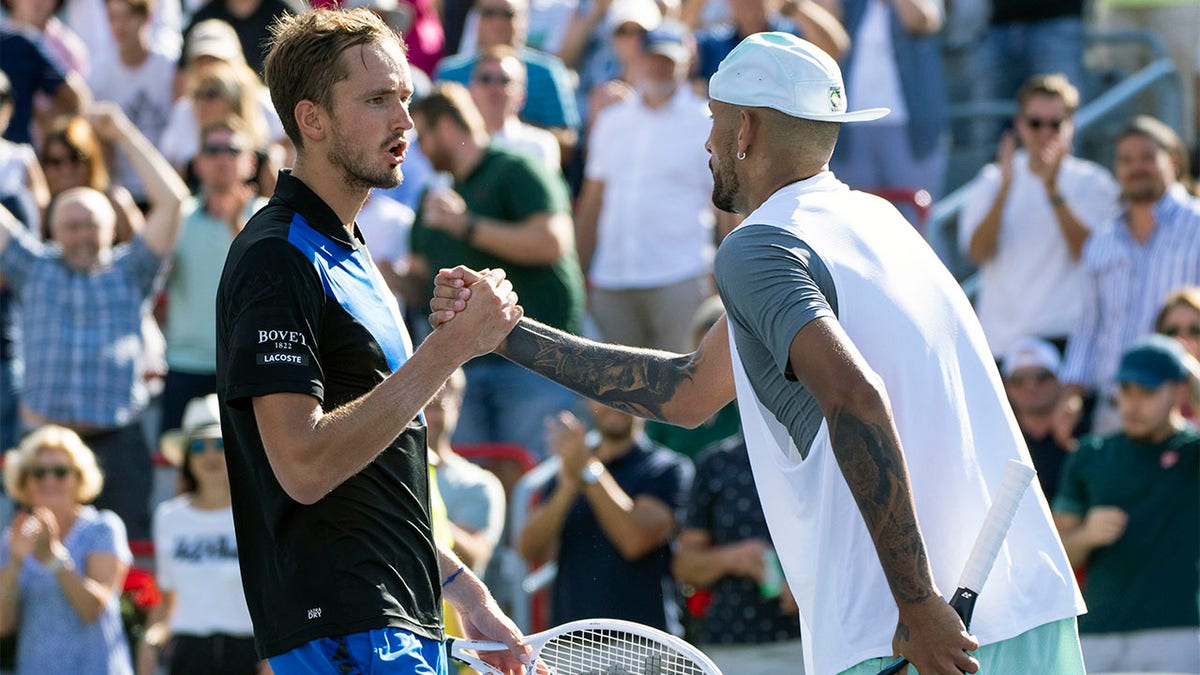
[963, 603]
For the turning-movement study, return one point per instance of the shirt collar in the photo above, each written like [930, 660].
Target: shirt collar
[293, 192]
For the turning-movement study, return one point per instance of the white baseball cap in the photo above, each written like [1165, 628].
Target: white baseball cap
[644, 13]
[785, 73]
[1031, 353]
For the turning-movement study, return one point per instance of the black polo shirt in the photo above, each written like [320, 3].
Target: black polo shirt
[302, 308]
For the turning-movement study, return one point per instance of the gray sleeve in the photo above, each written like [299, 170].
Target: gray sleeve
[773, 284]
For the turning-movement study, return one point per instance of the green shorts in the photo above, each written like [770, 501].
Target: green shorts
[1049, 648]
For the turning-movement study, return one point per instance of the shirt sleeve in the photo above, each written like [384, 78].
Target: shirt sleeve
[20, 255]
[980, 196]
[271, 304]
[599, 153]
[108, 536]
[1077, 366]
[141, 264]
[50, 73]
[773, 284]
[164, 570]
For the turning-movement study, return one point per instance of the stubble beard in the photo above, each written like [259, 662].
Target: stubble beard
[357, 171]
[726, 187]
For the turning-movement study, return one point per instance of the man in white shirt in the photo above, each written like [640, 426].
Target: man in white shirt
[874, 417]
[645, 218]
[1027, 216]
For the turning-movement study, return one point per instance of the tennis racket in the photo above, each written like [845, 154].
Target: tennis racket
[991, 536]
[596, 647]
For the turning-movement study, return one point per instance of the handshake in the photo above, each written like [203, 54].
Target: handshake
[475, 309]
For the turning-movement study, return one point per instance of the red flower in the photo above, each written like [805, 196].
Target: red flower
[141, 589]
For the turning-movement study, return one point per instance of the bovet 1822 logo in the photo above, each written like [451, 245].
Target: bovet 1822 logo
[281, 339]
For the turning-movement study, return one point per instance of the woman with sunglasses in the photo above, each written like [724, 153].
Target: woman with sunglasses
[62, 563]
[1179, 319]
[74, 156]
[203, 624]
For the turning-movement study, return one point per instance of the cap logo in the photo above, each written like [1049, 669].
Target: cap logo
[835, 99]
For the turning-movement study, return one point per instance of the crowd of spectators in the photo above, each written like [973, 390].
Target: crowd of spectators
[564, 141]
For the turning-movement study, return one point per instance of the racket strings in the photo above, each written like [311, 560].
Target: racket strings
[614, 652]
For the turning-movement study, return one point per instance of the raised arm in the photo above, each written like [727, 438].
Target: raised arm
[867, 447]
[165, 190]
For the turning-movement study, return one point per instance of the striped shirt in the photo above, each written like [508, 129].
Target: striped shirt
[1128, 283]
[83, 346]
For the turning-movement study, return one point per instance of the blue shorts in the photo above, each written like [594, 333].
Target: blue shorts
[382, 651]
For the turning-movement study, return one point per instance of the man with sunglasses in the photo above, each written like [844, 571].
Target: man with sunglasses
[1027, 216]
[498, 87]
[211, 219]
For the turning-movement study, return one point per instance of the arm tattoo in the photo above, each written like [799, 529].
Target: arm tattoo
[636, 381]
[872, 462]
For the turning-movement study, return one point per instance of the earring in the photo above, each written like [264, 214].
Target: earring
[741, 155]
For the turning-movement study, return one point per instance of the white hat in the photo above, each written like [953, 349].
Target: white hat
[201, 419]
[215, 38]
[1031, 353]
[644, 13]
[783, 72]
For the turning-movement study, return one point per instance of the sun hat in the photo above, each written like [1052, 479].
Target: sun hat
[201, 419]
[785, 73]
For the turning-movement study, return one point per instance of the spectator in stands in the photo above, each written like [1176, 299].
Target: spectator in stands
[1031, 382]
[1179, 318]
[62, 562]
[1128, 509]
[804, 18]
[645, 217]
[217, 83]
[1151, 248]
[724, 424]
[1027, 216]
[550, 94]
[202, 625]
[894, 62]
[750, 626]
[608, 518]
[603, 42]
[503, 211]
[40, 19]
[23, 192]
[498, 90]
[139, 81]
[73, 157]
[89, 19]
[1032, 38]
[83, 302]
[211, 219]
[250, 19]
[474, 497]
[31, 70]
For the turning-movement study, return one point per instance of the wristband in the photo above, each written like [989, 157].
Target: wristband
[450, 579]
[1056, 199]
[469, 230]
[58, 564]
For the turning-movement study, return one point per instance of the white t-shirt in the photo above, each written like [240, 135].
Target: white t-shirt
[656, 220]
[916, 330]
[474, 497]
[534, 141]
[145, 96]
[195, 555]
[874, 80]
[1033, 287]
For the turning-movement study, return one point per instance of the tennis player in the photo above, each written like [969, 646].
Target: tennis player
[321, 391]
[874, 416]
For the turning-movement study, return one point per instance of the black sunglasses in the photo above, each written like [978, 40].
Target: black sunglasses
[213, 149]
[1036, 123]
[60, 472]
[1190, 330]
[1039, 377]
[489, 79]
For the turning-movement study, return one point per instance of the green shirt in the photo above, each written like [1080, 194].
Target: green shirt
[510, 187]
[1150, 577]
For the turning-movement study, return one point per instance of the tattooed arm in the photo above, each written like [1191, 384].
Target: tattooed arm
[683, 389]
[867, 448]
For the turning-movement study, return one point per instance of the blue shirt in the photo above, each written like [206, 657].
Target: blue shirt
[593, 579]
[53, 638]
[1128, 282]
[83, 345]
[715, 42]
[549, 95]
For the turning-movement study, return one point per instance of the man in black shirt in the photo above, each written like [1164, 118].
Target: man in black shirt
[321, 391]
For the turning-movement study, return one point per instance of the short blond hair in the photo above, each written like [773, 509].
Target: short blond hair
[1053, 85]
[17, 462]
[304, 61]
